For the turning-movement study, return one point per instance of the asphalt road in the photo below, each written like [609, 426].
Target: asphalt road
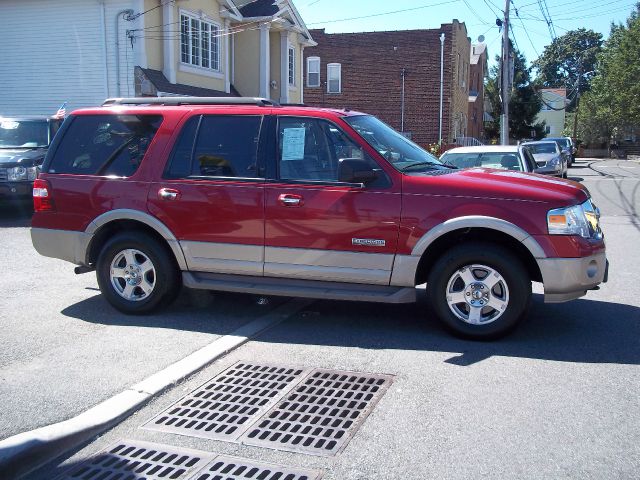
[560, 398]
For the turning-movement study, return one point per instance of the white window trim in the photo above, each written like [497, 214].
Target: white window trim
[197, 69]
[207, 72]
[291, 65]
[339, 65]
[309, 60]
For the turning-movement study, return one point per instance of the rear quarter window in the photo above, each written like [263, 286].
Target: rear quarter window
[105, 145]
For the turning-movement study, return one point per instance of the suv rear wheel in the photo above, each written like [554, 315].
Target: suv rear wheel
[136, 274]
[479, 291]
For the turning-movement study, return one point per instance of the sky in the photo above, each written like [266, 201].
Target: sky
[530, 30]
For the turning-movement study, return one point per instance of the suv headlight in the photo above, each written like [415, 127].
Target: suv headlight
[583, 220]
[18, 174]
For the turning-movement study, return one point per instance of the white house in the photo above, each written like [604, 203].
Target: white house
[83, 51]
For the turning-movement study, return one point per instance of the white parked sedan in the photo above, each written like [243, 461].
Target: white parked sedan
[507, 157]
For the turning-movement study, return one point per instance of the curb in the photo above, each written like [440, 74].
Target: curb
[25, 452]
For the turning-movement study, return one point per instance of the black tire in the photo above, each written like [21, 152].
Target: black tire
[166, 278]
[506, 264]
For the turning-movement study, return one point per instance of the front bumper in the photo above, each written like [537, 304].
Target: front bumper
[569, 278]
[550, 170]
[16, 189]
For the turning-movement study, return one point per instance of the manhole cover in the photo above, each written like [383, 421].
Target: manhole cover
[321, 414]
[234, 468]
[139, 460]
[225, 406]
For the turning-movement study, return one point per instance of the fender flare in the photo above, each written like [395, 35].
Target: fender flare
[142, 217]
[479, 221]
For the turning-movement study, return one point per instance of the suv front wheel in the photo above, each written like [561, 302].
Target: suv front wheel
[479, 291]
[136, 274]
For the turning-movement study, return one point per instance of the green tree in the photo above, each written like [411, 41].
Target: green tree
[524, 103]
[613, 104]
[569, 61]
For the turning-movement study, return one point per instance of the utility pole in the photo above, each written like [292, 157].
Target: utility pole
[575, 115]
[504, 69]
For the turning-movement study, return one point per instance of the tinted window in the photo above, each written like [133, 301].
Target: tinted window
[310, 149]
[504, 160]
[105, 144]
[227, 147]
[180, 164]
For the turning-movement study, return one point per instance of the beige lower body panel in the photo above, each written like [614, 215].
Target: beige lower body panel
[330, 266]
[68, 245]
[224, 257]
[569, 278]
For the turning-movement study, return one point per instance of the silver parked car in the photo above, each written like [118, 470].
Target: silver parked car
[549, 157]
[507, 157]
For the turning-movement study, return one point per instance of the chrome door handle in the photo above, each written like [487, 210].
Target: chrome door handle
[168, 194]
[289, 200]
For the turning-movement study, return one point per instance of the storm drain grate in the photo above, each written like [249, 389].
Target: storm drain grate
[320, 415]
[127, 460]
[234, 468]
[225, 406]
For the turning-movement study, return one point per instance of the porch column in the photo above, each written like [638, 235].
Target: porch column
[301, 73]
[265, 61]
[227, 57]
[168, 44]
[284, 66]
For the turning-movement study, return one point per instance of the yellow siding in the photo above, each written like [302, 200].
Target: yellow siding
[153, 46]
[247, 63]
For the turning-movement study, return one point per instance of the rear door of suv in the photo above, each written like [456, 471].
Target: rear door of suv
[211, 192]
[317, 227]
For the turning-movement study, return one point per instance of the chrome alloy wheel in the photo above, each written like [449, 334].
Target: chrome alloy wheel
[132, 275]
[477, 294]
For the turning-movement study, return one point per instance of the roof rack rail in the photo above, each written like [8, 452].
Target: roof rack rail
[174, 101]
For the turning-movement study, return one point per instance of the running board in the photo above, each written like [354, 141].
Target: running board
[298, 288]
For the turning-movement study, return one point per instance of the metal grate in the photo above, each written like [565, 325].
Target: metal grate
[321, 415]
[233, 468]
[225, 406]
[128, 460]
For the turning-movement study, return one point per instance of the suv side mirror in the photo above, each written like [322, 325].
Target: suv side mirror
[355, 170]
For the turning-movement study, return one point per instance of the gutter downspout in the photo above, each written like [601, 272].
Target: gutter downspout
[127, 12]
[402, 106]
[103, 24]
[441, 85]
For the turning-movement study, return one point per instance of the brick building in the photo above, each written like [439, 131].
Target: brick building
[477, 74]
[365, 71]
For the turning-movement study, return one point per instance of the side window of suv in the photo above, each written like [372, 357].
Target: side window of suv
[225, 146]
[105, 144]
[310, 149]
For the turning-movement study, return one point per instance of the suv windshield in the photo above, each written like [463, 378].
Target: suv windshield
[401, 152]
[16, 133]
[547, 147]
[564, 142]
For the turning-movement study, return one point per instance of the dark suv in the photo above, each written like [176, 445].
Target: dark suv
[243, 195]
[23, 144]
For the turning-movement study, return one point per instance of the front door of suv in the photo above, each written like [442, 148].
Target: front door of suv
[211, 194]
[316, 227]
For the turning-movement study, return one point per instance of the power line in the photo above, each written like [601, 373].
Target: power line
[384, 13]
[525, 29]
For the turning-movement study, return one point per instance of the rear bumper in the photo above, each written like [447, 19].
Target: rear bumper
[569, 278]
[66, 245]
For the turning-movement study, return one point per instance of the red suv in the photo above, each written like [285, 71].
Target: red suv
[244, 195]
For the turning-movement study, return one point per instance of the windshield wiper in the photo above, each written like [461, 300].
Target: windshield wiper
[422, 164]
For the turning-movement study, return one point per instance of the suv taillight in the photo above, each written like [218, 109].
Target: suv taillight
[42, 201]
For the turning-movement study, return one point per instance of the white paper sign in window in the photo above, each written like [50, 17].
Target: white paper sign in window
[293, 144]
